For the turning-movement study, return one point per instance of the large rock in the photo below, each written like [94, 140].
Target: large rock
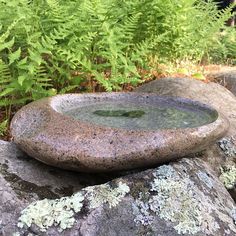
[226, 78]
[183, 198]
[114, 131]
[222, 155]
[24, 180]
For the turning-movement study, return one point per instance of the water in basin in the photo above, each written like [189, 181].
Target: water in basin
[136, 116]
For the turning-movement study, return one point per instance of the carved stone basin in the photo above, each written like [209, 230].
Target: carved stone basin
[114, 131]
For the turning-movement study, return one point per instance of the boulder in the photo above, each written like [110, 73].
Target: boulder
[182, 198]
[223, 154]
[24, 180]
[226, 78]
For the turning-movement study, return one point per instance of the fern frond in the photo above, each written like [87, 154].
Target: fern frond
[56, 12]
[5, 75]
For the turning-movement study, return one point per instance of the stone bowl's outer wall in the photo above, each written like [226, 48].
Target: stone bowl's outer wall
[62, 141]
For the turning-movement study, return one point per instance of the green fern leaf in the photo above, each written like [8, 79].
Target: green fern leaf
[14, 56]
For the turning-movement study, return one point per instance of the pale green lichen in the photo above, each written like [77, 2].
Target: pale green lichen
[173, 192]
[46, 213]
[141, 211]
[98, 195]
[228, 176]
[61, 212]
[175, 197]
[193, 209]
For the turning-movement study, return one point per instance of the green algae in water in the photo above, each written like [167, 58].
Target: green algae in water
[119, 113]
[133, 116]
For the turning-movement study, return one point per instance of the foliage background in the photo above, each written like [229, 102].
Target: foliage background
[55, 46]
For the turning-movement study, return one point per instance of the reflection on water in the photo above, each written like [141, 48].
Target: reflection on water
[119, 113]
[141, 116]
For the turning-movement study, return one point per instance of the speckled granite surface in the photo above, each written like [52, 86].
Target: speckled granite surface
[43, 131]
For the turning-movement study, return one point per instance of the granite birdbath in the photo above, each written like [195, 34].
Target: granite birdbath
[114, 131]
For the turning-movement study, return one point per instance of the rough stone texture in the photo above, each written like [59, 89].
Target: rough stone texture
[44, 132]
[24, 180]
[223, 153]
[183, 198]
[227, 79]
[189, 198]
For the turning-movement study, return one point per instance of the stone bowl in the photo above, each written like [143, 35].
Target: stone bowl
[105, 132]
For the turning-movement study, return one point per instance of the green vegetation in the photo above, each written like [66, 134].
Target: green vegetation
[224, 49]
[3, 127]
[54, 46]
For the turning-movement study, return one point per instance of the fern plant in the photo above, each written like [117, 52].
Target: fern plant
[53, 46]
[3, 127]
[224, 47]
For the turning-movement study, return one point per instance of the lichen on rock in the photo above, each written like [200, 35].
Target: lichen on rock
[98, 195]
[177, 199]
[227, 146]
[228, 176]
[141, 211]
[46, 213]
[61, 212]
